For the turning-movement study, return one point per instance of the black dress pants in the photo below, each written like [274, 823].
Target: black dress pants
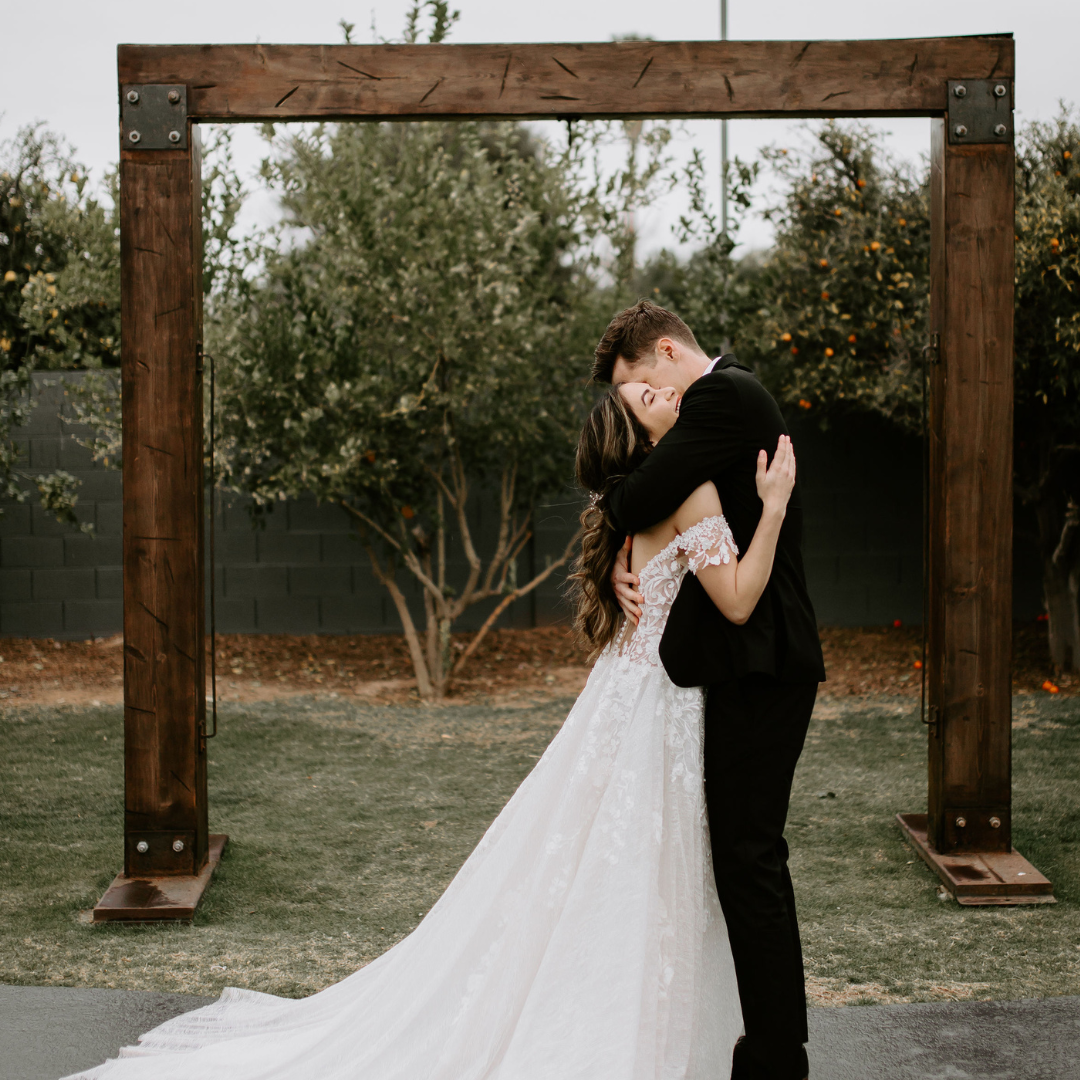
[755, 728]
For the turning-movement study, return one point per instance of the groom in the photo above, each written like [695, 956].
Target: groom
[761, 677]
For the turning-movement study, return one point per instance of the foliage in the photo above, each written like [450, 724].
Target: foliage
[834, 317]
[94, 402]
[712, 292]
[414, 338]
[1047, 401]
[59, 293]
[843, 296]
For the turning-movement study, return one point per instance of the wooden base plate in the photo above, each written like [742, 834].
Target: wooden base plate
[151, 899]
[977, 878]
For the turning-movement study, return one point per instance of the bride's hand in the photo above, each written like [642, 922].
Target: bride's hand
[775, 482]
[625, 584]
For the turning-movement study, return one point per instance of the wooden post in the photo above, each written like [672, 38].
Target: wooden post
[967, 833]
[165, 829]
[971, 496]
[164, 664]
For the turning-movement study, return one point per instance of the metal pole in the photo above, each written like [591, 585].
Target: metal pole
[723, 137]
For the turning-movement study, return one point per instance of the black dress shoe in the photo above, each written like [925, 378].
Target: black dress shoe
[745, 1065]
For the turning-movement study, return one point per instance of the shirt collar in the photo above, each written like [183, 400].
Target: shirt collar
[708, 370]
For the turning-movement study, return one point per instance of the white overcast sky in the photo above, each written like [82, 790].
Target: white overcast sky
[59, 58]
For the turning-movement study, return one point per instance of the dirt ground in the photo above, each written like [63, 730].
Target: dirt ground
[510, 666]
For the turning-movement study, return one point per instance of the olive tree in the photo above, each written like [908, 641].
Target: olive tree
[414, 338]
[59, 293]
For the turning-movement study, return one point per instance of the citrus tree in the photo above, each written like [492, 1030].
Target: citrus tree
[840, 313]
[834, 317]
[1047, 403]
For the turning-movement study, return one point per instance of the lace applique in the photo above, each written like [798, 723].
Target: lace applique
[708, 543]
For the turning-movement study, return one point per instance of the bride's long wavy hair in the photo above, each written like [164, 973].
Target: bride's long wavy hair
[612, 444]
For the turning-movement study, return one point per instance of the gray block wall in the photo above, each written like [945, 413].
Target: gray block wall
[305, 572]
[302, 572]
[861, 484]
[55, 581]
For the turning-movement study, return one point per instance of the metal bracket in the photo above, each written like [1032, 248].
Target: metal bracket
[980, 111]
[932, 351]
[153, 117]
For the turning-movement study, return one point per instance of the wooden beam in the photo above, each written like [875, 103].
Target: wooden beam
[164, 663]
[613, 79]
[971, 496]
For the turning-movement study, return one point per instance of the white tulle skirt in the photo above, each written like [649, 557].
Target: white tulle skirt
[582, 939]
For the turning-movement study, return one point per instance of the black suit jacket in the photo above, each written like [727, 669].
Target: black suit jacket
[725, 418]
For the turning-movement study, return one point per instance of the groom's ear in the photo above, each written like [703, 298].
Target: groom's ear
[666, 348]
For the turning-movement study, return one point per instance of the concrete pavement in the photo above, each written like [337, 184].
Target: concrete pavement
[48, 1032]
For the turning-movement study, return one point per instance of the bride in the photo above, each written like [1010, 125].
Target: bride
[583, 938]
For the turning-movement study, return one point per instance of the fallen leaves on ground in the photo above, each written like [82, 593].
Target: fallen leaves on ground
[510, 666]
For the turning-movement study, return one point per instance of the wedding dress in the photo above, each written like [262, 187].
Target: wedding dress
[581, 940]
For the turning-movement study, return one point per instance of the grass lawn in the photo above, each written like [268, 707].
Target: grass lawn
[346, 821]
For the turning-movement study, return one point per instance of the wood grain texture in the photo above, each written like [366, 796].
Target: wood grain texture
[164, 696]
[971, 498]
[612, 79]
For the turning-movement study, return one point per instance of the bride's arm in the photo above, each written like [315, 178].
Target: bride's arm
[736, 585]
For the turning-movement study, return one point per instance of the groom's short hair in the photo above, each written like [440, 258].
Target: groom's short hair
[633, 333]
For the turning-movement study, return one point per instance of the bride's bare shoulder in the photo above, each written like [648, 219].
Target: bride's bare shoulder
[703, 502]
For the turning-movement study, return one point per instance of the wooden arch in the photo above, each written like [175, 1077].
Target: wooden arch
[963, 84]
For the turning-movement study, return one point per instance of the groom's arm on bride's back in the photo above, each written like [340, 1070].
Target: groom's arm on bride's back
[701, 445]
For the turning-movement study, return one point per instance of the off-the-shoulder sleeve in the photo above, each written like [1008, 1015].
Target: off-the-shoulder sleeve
[708, 543]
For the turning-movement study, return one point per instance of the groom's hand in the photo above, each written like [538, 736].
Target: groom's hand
[625, 584]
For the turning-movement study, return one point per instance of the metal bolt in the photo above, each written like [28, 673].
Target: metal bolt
[142, 847]
[174, 136]
[960, 823]
[178, 846]
[960, 91]
[134, 136]
[1000, 90]
[960, 131]
[1000, 130]
[995, 823]
[174, 97]
[133, 97]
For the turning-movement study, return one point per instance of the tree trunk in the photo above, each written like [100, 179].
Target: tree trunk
[440, 649]
[412, 639]
[1059, 536]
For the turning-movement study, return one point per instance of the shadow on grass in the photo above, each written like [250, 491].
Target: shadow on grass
[348, 821]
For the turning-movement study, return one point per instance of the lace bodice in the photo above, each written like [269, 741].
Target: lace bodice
[708, 543]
